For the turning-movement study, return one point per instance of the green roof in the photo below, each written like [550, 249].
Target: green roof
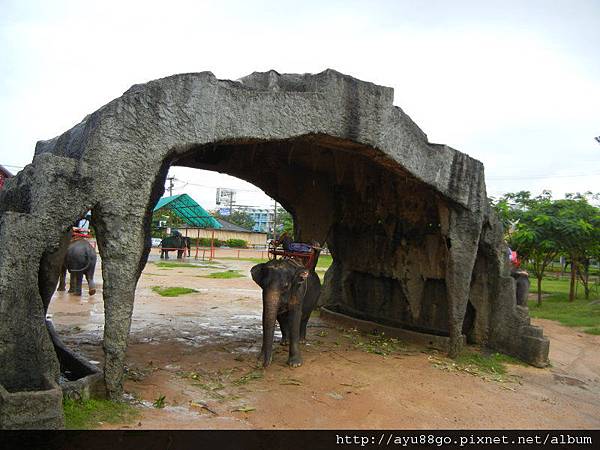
[189, 211]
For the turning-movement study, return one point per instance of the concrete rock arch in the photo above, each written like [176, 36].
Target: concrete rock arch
[414, 241]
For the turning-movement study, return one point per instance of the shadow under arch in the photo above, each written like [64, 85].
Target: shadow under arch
[405, 219]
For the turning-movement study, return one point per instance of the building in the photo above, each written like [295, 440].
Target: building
[263, 218]
[228, 230]
[4, 174]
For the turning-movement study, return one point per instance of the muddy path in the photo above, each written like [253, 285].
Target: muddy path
[198, 352]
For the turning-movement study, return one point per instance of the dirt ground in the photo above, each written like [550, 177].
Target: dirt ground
[199, 352]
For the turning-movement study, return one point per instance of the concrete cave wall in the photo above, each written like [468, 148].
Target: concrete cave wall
[414, 241]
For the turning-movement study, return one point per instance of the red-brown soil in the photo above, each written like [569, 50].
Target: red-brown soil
[199, 352]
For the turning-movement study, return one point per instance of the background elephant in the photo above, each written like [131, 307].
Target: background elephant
[290, 293]
[80, 260]
[179, 242]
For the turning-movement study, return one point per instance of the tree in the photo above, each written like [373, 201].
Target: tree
[510, 208]
[542, 228]
[580, 236]
[535, 230]
[169, 218]
[241, 218]
[285, 222]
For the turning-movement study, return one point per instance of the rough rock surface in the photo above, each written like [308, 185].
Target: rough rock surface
[413, 239]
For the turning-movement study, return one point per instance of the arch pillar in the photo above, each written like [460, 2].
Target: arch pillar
[463, 242]
[121, 242]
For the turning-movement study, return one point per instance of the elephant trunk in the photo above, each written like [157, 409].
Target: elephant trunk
[270, 308]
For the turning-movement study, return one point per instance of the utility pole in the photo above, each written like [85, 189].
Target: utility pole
[230, 203]
[171, 186]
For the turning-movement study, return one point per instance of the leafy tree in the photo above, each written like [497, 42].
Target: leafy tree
[171, 220]
[285, 222]
[534, 230]
[241, 218]
[540, 228]
[510, 207]
[580, 236]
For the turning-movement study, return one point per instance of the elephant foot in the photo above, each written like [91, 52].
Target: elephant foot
[266, 362]
[283, 342]
[61, 288]
[71, 291]
[294, 361]
[77, 294]
[92, 291]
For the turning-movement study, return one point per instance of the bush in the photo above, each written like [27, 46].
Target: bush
[205, 242]
[238, 243]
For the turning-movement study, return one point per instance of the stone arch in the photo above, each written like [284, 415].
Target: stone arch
[407, 221]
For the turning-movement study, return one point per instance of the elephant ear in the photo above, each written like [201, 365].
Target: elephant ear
[258, 273]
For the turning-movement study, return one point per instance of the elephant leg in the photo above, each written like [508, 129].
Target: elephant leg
[162, 254]
[79, 282]
[166, 254]
[294, 319]
[62, 281]
[72, 283]
[303, 325]
[89, 276]
[179, 254]
[284, 325]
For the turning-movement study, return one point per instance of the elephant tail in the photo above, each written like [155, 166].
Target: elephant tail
[85, 268]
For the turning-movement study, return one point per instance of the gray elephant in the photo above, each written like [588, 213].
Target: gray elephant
[80, 260]
[290, 293]
[174, 242]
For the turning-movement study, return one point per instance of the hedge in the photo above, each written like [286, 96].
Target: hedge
[238, 243]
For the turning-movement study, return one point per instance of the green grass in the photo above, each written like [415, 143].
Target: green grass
[556, 306]
[324, 261]
[224, 275]
[489, 367]
[492, 364]
[159, 402]
[87, 414]
[171, 265]
[172, 291]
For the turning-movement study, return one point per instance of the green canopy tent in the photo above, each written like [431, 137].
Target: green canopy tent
[188, 210]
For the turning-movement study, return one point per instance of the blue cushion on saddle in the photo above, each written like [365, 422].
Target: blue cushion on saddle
[300, 247]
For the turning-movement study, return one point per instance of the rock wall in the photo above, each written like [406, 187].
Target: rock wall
[413, 240]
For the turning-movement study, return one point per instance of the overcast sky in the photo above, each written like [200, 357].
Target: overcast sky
[515, 84]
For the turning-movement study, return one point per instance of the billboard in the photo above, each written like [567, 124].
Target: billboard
[225, 196]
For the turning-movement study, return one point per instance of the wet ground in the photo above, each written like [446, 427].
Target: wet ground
[197, 353]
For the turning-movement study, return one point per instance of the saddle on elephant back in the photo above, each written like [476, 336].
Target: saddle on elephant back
[285, 248]
[80, 233]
